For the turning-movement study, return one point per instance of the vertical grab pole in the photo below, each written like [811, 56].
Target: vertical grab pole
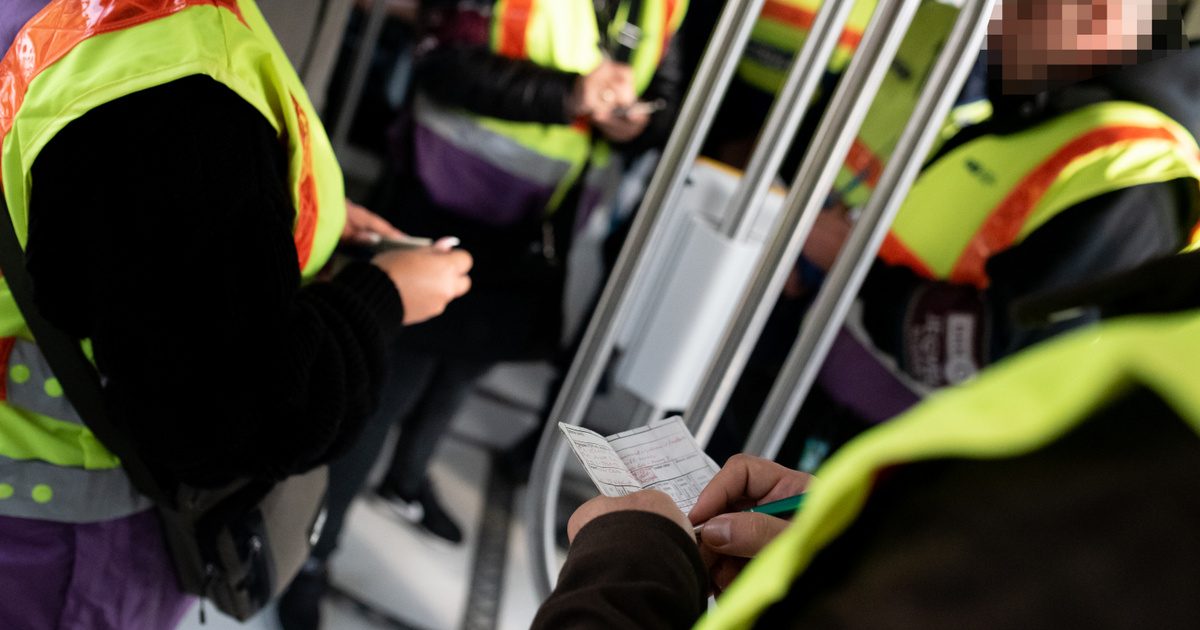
[695, 118]
[776, 137]
[358, 74]
[786, 114]
[831, 143]
[841, 286]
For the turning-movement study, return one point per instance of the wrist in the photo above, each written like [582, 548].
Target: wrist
[573, 102]
[378, 292]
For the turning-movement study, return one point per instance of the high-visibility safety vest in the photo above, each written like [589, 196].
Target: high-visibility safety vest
[1018, 407]
[989, 194]
[503, 172]
[780, 33]
[67, 58]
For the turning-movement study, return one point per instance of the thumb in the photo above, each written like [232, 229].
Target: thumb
[743, 534]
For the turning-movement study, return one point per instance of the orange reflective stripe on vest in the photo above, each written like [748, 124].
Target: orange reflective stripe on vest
[864, 163]
[895, 252]
[802, 18]
[988, 195]
[306, 213]
[64, 24]
[1003, 225]
[514, 28]
[668, 24]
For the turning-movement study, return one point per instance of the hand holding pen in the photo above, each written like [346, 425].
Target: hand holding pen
[729, 537]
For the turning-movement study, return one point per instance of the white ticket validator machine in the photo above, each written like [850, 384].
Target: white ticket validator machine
[685, 303]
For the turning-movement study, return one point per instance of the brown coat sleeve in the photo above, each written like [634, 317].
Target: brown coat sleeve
[628, 570]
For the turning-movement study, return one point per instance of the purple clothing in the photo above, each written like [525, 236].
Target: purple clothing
[112, 575]
[853, 377]
[13, 15]
[472, 187]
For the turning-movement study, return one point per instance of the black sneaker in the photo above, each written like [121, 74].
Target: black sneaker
[423, 511]
[300, 605]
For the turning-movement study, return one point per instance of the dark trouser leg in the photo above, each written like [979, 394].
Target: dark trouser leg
[424, 428]
[410, 375]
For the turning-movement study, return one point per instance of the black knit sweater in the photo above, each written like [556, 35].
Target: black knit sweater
[161, 229]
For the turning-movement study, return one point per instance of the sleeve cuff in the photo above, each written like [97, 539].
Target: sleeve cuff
[650, 529]
[377, 293]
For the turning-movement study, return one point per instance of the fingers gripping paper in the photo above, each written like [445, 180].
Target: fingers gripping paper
[662, 456]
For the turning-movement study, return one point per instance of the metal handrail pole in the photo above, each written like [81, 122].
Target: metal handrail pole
[837, 295]
[696, 116]
[818, 171]
[785, 116]
[783, 121]
[359, 73]
[322, 57]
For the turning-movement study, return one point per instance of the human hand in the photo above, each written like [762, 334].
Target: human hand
[652, 501]
[428, 279]
[364, 227]
[606, 88]
[731, 537]
[621, 128]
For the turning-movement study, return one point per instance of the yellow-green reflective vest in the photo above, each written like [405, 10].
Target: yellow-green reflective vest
[1017, 407]
[989, 194]
[67, 59]
[780, 33]
[503, 172]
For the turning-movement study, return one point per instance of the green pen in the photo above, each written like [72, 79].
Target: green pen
[783, 508]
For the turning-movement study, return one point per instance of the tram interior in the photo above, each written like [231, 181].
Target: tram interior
[680, 300]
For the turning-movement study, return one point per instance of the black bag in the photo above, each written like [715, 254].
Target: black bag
[238, 546]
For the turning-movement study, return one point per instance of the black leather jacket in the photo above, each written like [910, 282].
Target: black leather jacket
[456, 66]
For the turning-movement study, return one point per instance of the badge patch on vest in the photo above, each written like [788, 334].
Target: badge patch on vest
[945, 332]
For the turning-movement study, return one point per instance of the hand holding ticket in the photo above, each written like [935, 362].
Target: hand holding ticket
[662, 456]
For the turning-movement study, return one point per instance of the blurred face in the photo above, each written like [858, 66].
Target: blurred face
[1041, 43]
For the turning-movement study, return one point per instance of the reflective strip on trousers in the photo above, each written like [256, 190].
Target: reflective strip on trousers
[464, 132]
[31, 384]
[600, 187]
[606, 175]
[37, 422]
[34, 489]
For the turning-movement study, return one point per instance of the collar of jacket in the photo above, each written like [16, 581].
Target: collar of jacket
[1168, 84]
